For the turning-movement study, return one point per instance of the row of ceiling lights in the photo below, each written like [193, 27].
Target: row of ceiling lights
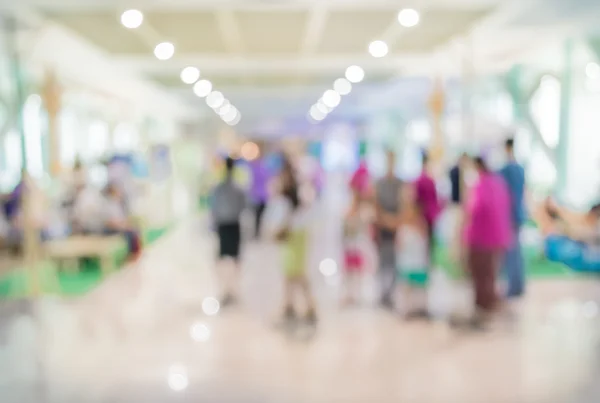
[133, 19]
[214, 99]
[408, 18]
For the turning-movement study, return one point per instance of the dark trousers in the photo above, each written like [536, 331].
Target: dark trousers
[483, 267]
[259, 210]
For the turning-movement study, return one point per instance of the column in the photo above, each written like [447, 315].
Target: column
[51, 96]
[562, 149]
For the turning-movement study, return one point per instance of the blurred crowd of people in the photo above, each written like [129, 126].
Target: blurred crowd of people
[400, 219]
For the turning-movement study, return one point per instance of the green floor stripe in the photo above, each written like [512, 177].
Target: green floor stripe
[14, 284]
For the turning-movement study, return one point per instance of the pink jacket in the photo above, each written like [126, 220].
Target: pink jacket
[488, 214]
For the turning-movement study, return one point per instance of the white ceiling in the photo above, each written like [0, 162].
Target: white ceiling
[275, 57]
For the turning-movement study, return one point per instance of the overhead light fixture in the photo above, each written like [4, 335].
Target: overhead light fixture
[378, 49]
[355, 74]
[592, 70]
[215, 99]
[235, 120]
[132, 19]
[316, 113]
[322, 107]
[409, 17]
[164, 51]
[342, 86]
[190, 75]
[230, 114]
[202, 88]
[331, 98]
[224, 109]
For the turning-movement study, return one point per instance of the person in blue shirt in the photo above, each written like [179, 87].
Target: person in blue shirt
[514, 265]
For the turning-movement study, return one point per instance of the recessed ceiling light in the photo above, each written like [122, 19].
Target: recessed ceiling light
[202, 88]
[355, 74]
[235, 120]
[164, 51]
[378, 49]
[322, 107]
[409, 17]
[316, 113]
[215, 99]
[230, 114]
[342, 86]
[331, 98]
[190, 75]
[132, 19]
[224, 109]
[592, 70]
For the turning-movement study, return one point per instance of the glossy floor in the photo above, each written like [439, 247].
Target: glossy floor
[145, 336]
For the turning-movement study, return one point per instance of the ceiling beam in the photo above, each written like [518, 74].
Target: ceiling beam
[229, 30]
[158, 5]
[315, 26]
[284, 65]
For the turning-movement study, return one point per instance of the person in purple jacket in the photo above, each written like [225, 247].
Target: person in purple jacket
[259, 190]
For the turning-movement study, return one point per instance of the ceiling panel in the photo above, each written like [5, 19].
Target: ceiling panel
[191, 32]
[262, 80]
[435, 29]
[104, 30]
[272, 32]
[351, 31]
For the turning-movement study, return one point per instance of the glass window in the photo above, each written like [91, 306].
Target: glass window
[33, 136]
[545, 108]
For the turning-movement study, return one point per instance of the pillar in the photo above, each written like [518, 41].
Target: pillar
[51, 96]
[562, 148]
[436, 109]
[31, 245]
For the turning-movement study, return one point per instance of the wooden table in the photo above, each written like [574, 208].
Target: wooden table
[75, 247]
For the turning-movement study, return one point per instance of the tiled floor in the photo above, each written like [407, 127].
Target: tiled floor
[143, 337]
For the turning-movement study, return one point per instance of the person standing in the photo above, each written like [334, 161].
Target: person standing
[487, 237]
[428, 204]
[258, 191]
[228, 202]
[514, 265]
[387, 207]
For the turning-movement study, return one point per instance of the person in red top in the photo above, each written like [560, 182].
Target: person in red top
[428, 203]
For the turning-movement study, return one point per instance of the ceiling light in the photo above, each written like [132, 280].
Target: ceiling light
[592, 70]
[230, 115]
[342, 86]
[224, 109]
[235, 120]
[215, 99]
[316, 113]
[378, 49]
[331, 98]
[322, 107]
[409, 17]
[164, 51]
[190, 75]
[132, 19]
[355, 74]
[202, 88]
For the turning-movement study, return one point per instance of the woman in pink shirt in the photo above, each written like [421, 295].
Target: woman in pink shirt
[428, 203]
[487, 236]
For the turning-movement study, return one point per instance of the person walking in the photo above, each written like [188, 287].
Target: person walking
[514, 265]
[487, 237]
[428, 204]
[227, 204]
[258, 191]
[387, 207]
